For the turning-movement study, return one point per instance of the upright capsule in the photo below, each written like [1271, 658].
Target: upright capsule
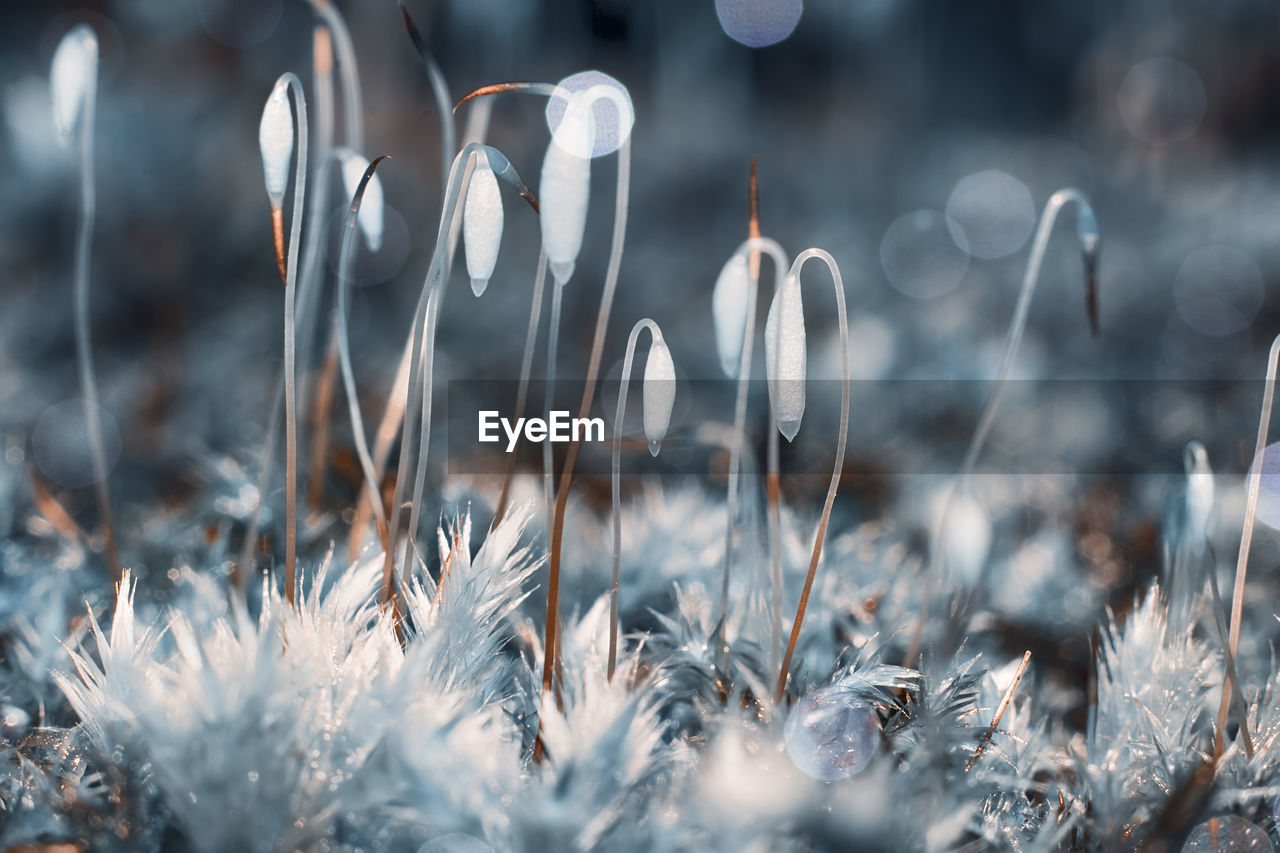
[73, 74]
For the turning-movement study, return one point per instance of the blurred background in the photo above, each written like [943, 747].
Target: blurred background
[917, 142]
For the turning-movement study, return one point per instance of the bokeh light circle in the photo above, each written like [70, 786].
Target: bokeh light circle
[831, 733]
[1162, 100]
[613, 119]
[1269, 488]
[1218, 290]
[455, 842]
[759, 23]
[61, 443]
[993, 212]
[924, 254]
[1227, 835]
[368, 267]
[240, 23]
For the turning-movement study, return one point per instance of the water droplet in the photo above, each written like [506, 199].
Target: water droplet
[612, 114]
[924, 254]
[60, 441]
[1162, 101]
[1269, 489]
[1227, 835]
[1218, 290]
[831, 733]
[759, 23]
[991, 214]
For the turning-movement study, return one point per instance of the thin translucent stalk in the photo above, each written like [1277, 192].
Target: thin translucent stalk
[820, 536]
[1017, 326]
[627, 361]
[548, 397]
[389, 427]
[423, 344]
[550, 650]
[348, 72]
[316, 233]
[290, 391]
[1250, 520]
[84, 345]
[526, 367]
[754, 246]
[423, 317]
[344, 350]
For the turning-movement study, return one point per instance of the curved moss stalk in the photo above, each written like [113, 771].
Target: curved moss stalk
[654, 436]
[550, 648]
[344, 349]
[820, 536]
[423, 344]
[1090, 243]
[522, 392]
[752, 246]
[321, 416]
[290, 398]
[348, 72]
[85, 217]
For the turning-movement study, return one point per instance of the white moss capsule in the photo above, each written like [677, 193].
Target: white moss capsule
[482, 219]
[371, 215]
[784, 357]
[659, 393]
[275, 140]
[1200, 494]
[74, 72]
[729, 312]
[566, 186]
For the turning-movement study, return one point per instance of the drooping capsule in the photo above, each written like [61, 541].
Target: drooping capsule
[729, 312]
[1200, 495]
[785, 356]
[566, 186]
[659, 393]
[275, 140]
[1090, 246]
[371, 216]
[73, 74]
[482, 219]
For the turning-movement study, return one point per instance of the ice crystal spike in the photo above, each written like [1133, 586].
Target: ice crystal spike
[275, 140]
[729, 312]
[831, 733]
[371, 216]
[659, 393]
[74, 72]
[565, 187]
[784, 357]
[482, 219]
